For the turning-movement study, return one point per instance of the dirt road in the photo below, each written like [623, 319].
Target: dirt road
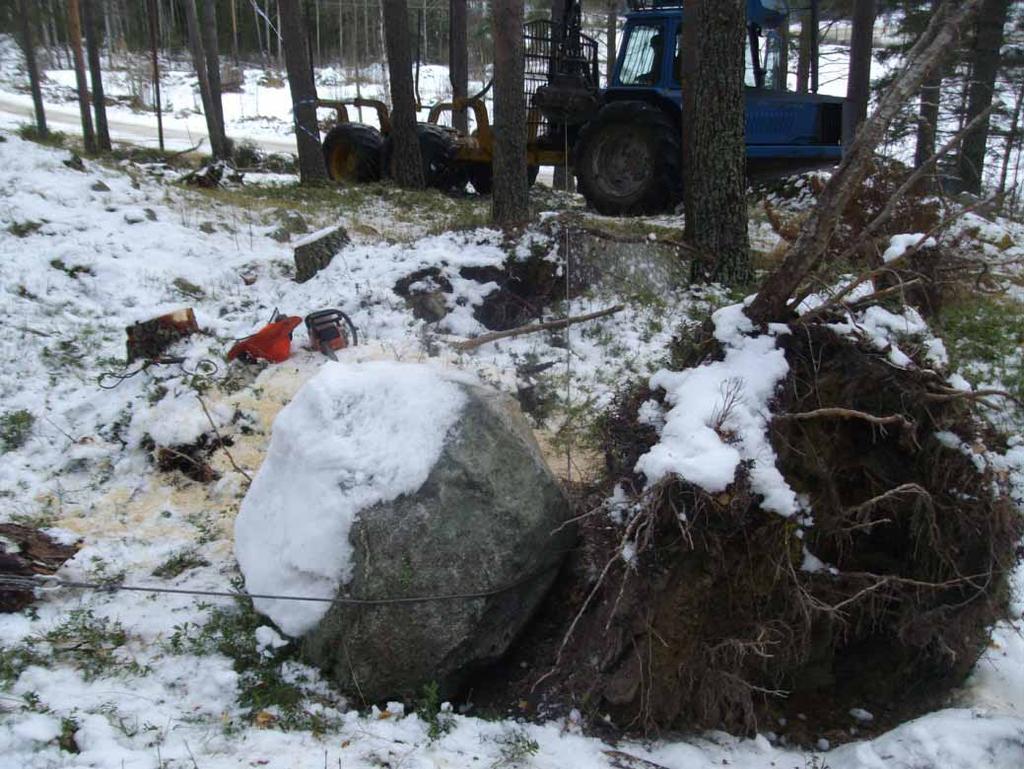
[66, 118]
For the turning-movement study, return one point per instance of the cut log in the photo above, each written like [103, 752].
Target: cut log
[149, 339]
[26, 552]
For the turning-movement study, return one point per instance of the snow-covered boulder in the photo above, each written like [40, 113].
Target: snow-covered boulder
[396, 481]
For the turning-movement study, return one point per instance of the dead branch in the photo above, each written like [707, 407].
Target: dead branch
[906, 488]
[220, 440]
[975, 395]
[842, 413]
[472, 344]
[771, 301]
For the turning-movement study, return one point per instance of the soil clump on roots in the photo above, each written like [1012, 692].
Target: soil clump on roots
[720, 618]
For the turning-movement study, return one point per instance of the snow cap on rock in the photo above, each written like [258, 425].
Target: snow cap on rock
[353, 436]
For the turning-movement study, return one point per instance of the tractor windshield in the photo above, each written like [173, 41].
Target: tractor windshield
[641, 62]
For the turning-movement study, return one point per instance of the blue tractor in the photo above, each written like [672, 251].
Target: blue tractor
[625, 140]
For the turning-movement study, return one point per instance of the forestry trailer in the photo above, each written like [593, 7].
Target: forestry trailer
[623, 141]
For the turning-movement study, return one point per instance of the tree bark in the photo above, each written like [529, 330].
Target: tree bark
[803, 60]
[770, 303]
[75, 38]
[234, 31]
[154, 37]
[300, 80]
[611, 31]
[28, 46]
[406, 159]
[928, 113]
[562, 176]
[217, 144]
[211, 52]
[985, 59]
[510, 195]
[718, 180]
[91, 21]
[458, 61]
[858, 90]
[688, 64]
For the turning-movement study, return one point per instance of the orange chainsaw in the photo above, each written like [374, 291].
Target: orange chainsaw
[273, 342]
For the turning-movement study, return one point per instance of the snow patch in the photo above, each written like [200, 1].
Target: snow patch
[900, 244]
[719, 416]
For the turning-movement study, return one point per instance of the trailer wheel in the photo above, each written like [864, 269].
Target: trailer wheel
[481, 176]
[352, 152]
[438, 148]
[628, 160]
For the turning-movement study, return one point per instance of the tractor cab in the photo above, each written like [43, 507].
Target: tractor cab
[626, 155]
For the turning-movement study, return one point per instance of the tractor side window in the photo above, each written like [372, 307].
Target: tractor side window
[641, 64]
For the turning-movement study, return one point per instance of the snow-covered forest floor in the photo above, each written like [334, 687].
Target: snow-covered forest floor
[138, 680]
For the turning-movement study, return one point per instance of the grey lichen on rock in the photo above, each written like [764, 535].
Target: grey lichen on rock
[316, 251]
[489, 519]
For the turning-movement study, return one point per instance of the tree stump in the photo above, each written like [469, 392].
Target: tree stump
[315, 252]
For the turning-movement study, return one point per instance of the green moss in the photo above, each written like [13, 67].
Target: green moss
[262, 684]
[179, 563]
[30, 133]
[24, 229]
[15, 428]
[983, 335]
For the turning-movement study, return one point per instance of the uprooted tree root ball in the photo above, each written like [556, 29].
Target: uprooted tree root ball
[717, 617]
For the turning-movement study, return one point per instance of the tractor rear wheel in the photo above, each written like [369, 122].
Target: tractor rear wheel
[437, 148]
[628, 160]
[481, 176]
[352, 152]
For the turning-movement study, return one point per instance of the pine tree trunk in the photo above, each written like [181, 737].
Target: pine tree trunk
[858, 89]
[199, 62]
[1011, 142]
[510, 194]
[90, 20]
[985, 58]
[803, 60]
[928, 114]
[611, 32]
[234, 31]
[75, 38]
[458, 60]
[211, 51]
[27, 8]
[688, 73]
[406, 160]
[782, 76]
[303, 89]
[154, 38]
[719, 228]
[562, 176]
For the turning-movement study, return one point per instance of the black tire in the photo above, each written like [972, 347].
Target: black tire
[352, 152]
[628, 160]
[481, 176]
[438, 148]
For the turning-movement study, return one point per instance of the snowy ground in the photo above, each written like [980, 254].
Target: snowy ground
[134, 680]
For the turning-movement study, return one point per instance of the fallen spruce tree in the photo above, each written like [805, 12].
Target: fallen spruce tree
[801, 517]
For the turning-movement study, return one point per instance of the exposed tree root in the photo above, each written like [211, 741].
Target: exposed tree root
[718, 618]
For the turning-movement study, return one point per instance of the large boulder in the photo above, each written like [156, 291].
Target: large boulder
[414, 487]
